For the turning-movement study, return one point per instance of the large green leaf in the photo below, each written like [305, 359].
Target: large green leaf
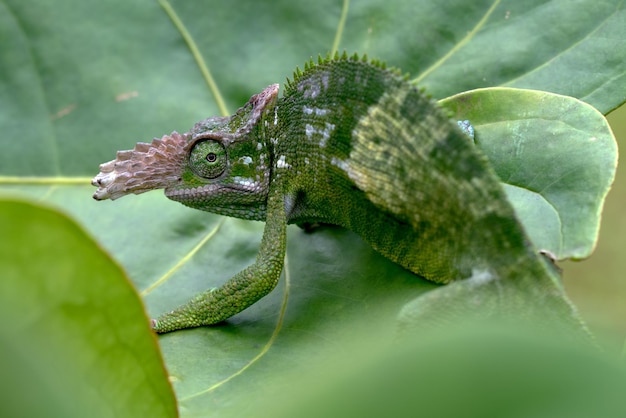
[75, 341]
[516, 372]
[556, 157]
[80, 80]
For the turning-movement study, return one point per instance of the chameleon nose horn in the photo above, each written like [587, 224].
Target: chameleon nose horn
[144, 168]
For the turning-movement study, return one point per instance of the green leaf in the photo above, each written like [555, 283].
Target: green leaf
[479, 370]
[573, 48]
[75, 339]
[556, 157]
[80, 80]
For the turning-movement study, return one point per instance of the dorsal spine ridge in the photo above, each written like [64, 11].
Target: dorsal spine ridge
[311, 66]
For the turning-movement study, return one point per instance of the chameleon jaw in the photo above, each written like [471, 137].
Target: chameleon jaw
[146, 167]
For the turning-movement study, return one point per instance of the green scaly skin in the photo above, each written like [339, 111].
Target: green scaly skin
[352, 144]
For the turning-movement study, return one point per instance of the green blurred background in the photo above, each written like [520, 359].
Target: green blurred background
[597, 285]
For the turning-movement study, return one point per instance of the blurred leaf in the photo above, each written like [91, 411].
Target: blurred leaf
[556, 157]
[80, 80]
[478, 370]
[75, 339]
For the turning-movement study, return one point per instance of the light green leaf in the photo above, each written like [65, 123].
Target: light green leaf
[80, 80]
[75, 340]
[556, 157]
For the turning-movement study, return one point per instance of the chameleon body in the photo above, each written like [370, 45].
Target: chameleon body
[350, 143]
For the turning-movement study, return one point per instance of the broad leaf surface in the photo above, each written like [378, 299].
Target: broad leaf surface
[80, 80]
[74, 340]
[556, 157]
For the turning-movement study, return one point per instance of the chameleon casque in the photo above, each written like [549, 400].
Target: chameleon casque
[350, 143]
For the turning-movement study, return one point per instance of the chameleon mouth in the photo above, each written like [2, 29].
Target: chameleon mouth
[217, 191]
[157, 165]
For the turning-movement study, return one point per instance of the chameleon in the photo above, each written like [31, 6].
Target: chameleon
[350, 143]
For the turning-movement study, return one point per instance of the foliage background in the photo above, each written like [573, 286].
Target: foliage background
[79, 80]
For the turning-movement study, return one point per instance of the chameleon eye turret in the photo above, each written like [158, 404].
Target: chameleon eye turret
[208, 158]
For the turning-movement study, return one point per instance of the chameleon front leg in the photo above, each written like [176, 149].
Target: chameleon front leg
[243, 289]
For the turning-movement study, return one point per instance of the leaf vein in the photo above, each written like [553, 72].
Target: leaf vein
[184, 259]
[340, 26]
[266, 347]
[38, 181]
[195, 52]
[564, 51]
[459, 45]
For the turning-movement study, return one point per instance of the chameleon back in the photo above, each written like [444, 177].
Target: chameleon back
[360, 147]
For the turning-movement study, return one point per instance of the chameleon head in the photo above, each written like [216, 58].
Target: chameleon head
[221, 166]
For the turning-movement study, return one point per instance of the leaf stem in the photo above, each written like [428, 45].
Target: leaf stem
[195, 52]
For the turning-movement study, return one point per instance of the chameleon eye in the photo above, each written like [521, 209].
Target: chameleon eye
[208, 159]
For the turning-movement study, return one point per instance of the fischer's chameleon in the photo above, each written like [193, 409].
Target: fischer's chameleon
[350, 143]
